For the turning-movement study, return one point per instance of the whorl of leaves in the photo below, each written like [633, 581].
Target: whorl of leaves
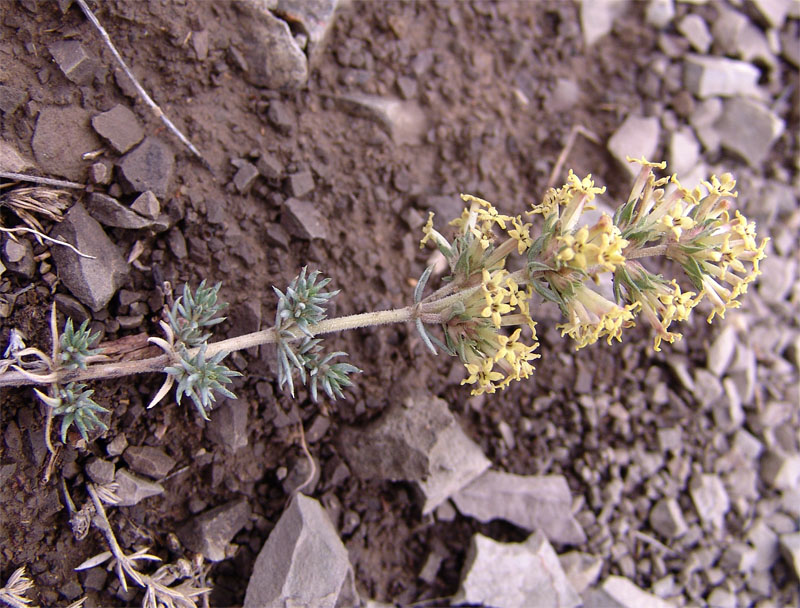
[75, 404]
[198, 379]
[193, 312]
[75, 345]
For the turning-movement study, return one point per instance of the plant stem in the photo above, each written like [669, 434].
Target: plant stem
[646, 252]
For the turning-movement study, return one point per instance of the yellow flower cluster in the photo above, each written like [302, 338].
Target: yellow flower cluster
[660, 218]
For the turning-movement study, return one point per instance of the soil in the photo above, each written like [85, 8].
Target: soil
[488, 98]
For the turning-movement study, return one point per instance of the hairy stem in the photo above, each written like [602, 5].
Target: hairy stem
[646, 252]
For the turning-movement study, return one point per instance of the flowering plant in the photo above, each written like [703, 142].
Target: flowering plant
[498, 268]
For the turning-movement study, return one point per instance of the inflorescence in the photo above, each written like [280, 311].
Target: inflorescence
[694, 228]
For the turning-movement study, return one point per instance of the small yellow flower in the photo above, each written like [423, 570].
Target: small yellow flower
[507, 347]
[584, 186]
[496, 308]
[576, 251]
[521, 234]
[484, 376]
[427, 230]
[675, 221]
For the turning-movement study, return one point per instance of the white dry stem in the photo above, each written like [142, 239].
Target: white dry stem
[142, 93]
[45, 181]
[50, 239]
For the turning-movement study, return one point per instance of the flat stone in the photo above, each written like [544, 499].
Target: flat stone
[134, 489]
[738, 556]
[177, 243]
[790, 549]
[636, 137]
[582, 569]
[666, 518]
[707, 76]
[11, 98]
[404, 121]
[566, 93]
[530, 502]
[117, 445]
[229, 425]
[304, 220]
[210, 532]
[148, 460]
[659, 13]
[748, 129]
[303, 563]
[61, 137]
[721, 598]
[269, 166]
[299, 184]
[11, 160]
[765, 542]
[597, 18]
[93, 281]
[100, 471]
[110, 212]
[780, 470]
[707, 387]
[245, 176]
[147, 205]
[274, 58]
[100, 173]
[684, 151]
[515, 575]
[777, 278]
[119, 127]
[695, 30]
[148, 167]
[417, 441]
[282, 117]
[71, 308]
[18, 256]
[774, 11]
[710, 499]
[76, 64]
[619, 592]
[727, 410]
[720, 353]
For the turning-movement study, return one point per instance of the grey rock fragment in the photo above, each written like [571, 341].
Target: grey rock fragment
[147, 205]
[119, 127]
[281, 117]
[100, 471]
[684, 151]
[177, 243]
[790, 549]
[303, 220]
[774, 11]
[299, 184]
[71, 307]
[707, 387]
[74, 61]
[619, 592]
[61, 137]
[229, 425]
[419, 441]
[210, 532]
[719, 76]
[316, 17]
[11, 98]
[110, 212]
[780, 470]
[148, 167]
[765, 542]
[18, 257]
[582, 569]
[274, 58]
[666, 518]
[738, 556]
[531, 502]
[133, 489]
[695, 30]
[710, 499]
[117, 445]
[737, 36]
[778, 274]
[597, 18]
[748, 129]
[100, 173]
[720, 353]
[149, 460]
[303, 563]
[245, 177]
[635, 137]
[404, 121]
[269, 166]
[515, 575]
[659, 13]
[93, 281]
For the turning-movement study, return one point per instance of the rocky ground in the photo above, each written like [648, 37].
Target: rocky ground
[615, 475]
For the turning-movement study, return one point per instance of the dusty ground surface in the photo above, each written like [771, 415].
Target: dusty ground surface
[484, 75]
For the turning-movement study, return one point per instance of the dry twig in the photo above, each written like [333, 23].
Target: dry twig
[142, 93]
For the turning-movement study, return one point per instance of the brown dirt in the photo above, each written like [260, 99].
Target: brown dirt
[481, 139]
